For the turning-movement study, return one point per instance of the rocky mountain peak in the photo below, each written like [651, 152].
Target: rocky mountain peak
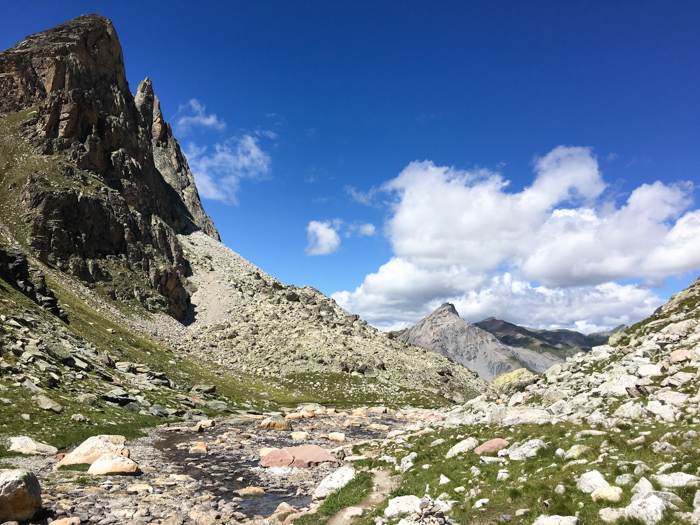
[114, 189]
[444, 332]
[447, 309]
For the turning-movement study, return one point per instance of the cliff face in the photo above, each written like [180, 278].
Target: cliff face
[116, 188]
[446, 333]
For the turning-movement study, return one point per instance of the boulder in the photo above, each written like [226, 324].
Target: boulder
[333, 482]
[95, 447]
[463, 446]
[276, 423]
[650, 509]
[511, 382]
[556, 520]
[492, 445]
[526, 450]
[336, 436]
[20, 495]
[613, 494]
[26, 445]
[113, 464]
[590, 481]
[47, 403]
[305, 456]
[677, 479]
[402, 505]
[251, 492]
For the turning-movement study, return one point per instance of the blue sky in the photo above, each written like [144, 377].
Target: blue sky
[307, 122]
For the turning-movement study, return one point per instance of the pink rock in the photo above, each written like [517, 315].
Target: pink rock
[492, 445]
[305, 456]
[678, 356]
[277, 458]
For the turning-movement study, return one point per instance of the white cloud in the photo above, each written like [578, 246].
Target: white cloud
[323, 237]
[366, 229]
[359, 196]
[194, 114]
[218, 174]
[462, 236]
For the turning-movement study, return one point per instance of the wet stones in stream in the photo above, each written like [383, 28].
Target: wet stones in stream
[203, 475]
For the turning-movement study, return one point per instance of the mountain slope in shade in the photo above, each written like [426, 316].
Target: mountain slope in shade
[446, 333]
[562, 343]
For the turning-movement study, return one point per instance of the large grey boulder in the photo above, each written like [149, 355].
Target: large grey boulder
[20, 495]
[591, 481]
[526, 450]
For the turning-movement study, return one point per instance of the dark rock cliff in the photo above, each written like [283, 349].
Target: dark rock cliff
[119, 189]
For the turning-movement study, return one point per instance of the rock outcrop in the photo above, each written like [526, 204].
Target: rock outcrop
[446, 333]
[114, 188]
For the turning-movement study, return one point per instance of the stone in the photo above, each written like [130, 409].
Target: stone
[333, 482]
[612, 494]
[401, 506]
[337, 436]
[276, 423]
[650, 370]
[611, 515]
[677, 479]
[304, 456]
[650, 509]
[67, 521]
[198, 448]
[26, 445]
[87, 399]
[300, 436]
[46, 403]
[251, 492]
[463, 446]
[108, 464]
[444, 480]
[93, 448]
[679, 356]
[575, 452]
[630, 410]
[20, 495]
[492, 445]
[514, 381]
[282, 512]
[590, 481]
[526, 450]
[556, 520]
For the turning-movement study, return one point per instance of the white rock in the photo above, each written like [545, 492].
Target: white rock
[407, 462]
[26, 445]
[526, 450]
[617, 385]
[611, 515]
[557, 520]
[650, 509]
[591, 481]
[630, 410]
[333, 482]
[480, 503]
[665, 412]
[649, 370]
[643, 486]
[677, 479]
[673, 398]
[20, 495]
[463, 446]
[613, 494]
[576, 451]
[502, 475]
[444, 480]
[402, 505]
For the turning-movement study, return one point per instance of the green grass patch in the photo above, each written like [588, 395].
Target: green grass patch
[351, 494]
[78, 467]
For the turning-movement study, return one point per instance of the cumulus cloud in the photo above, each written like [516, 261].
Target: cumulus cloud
[323, 237]
[218, 173]
[462, 236]
[194, 114]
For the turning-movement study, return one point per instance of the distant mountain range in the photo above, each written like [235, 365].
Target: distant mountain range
[492, 347]
[560, 342]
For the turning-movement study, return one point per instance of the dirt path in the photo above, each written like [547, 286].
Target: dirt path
[383, 484]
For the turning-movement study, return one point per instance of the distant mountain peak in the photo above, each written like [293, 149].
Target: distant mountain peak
[446, 309]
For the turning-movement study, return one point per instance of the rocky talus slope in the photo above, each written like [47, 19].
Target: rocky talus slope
[446, 333]
[247, 319]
